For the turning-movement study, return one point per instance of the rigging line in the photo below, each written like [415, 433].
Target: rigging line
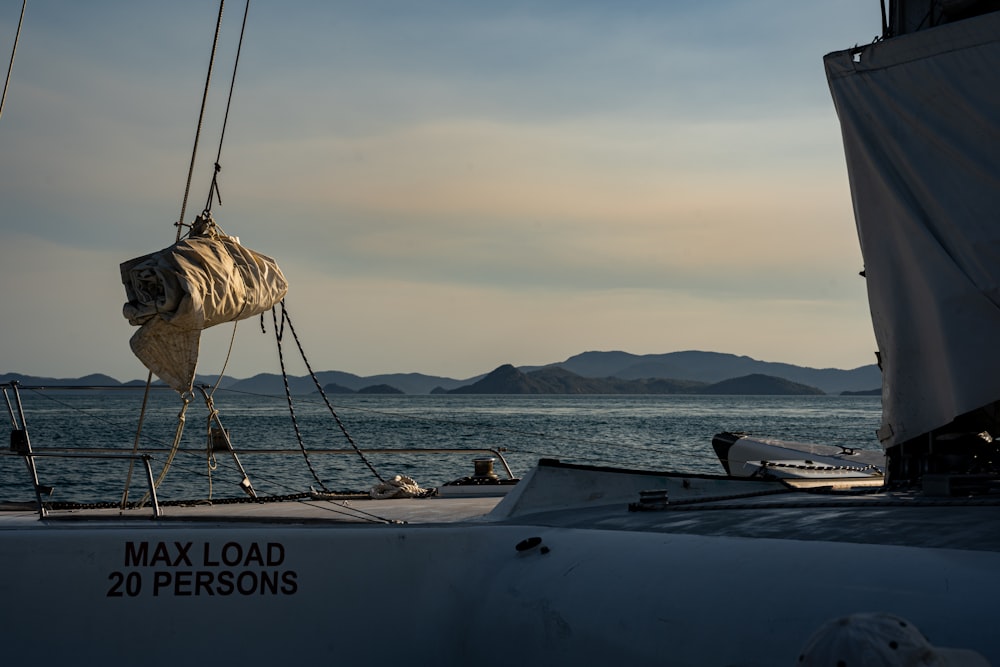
[316, 501]
[288, 397]
[10, 67]
[343, 429]
[214, 187]
[230, 467]
[225, 364]
[174, 448]
[138, 434]
[174, 463]
[338, 507]
[201, 119]
[119, 427]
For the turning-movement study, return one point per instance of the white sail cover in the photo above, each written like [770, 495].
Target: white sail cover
[920, 116]
[201, 281]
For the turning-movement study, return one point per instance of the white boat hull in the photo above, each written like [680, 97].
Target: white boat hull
[600, 585]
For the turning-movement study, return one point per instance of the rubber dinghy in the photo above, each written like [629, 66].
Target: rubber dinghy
[745, 456]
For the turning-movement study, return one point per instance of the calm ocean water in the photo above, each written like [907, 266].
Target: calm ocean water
[653, 432]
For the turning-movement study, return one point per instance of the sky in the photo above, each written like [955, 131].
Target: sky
[447, 186]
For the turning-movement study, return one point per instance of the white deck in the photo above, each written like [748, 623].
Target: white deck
[406, 510]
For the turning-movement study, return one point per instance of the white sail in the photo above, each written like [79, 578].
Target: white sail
[924, 170]
[203, 280]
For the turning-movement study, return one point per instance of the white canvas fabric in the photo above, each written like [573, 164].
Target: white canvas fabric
[194, 284]
[920, 117]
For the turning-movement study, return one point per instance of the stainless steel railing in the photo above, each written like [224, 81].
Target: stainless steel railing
[20, 445]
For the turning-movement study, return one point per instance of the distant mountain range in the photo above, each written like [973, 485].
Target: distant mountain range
[712, 367]
[586, 373]
[556, 380]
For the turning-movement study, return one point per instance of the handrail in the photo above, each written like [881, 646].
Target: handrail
[145, 457]
[110, 452]
[21, 446]
[19, 440]
[70, 453]
[24, 449]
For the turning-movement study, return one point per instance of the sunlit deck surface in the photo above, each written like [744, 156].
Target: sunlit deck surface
[350, 510]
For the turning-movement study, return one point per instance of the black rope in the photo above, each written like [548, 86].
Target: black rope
[291, 406]
[285, 317]
[201, 118]
[10, 67]
[214, 188]
[279, 330]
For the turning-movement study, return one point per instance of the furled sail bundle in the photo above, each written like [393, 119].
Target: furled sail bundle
[206, 279]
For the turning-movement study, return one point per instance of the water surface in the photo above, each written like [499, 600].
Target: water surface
[653, 432]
